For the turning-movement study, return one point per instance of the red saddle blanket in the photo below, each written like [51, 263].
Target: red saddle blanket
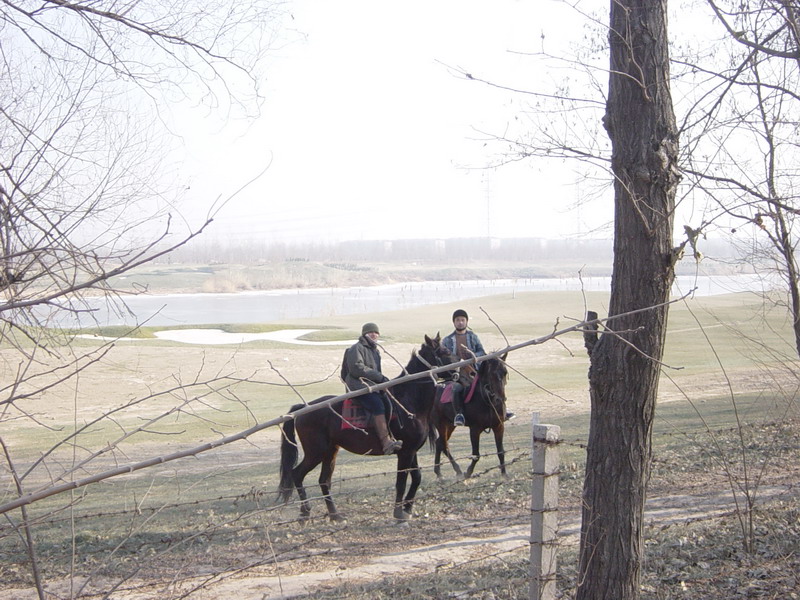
[354, 416]
[444, 392]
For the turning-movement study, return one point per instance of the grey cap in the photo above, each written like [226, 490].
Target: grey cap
[369, 327]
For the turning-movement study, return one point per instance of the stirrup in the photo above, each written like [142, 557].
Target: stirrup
[392, 446]
[459, 420]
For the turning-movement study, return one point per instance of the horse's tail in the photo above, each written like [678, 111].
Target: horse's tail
[289, 454]
[433, 434]
[433, 417]
[434, 414]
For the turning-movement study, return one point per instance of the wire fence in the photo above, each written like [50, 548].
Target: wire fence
[193, 538]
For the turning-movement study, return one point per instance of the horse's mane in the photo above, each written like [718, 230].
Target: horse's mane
[410, 393]
[493, 363]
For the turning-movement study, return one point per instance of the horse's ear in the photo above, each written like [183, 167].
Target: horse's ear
[503, 358]
[428, 341]
[438, 337]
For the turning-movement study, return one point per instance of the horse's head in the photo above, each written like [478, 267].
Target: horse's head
[436, 354]
[492, 374]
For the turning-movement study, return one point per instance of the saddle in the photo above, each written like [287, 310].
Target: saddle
[355, 416]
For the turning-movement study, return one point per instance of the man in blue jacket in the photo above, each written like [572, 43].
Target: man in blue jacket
[464, 343]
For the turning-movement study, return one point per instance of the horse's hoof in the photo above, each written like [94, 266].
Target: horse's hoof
[337, 518]
[402, 515]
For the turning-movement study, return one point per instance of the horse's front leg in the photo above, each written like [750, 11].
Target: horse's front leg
[475, 439]
[404, 467]
[437, 465]
[325, 478]
[498, 442]
[416, 479]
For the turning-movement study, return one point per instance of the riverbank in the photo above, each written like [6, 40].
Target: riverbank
[270, 306]
[185, 278]
[306, 274]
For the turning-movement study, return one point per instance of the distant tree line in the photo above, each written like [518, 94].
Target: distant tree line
[205, 250]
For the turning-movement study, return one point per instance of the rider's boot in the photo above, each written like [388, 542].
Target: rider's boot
[389, 445]
[458, 406]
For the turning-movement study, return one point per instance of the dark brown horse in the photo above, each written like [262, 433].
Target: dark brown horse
[321, 435]
[485, 410]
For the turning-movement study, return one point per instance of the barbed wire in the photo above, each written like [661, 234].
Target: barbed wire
[253, 491]
[302, 540]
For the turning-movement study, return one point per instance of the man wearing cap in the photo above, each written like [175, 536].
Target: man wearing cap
[464, 343]
[362, 368]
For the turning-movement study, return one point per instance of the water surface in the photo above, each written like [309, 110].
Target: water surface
[276, 305]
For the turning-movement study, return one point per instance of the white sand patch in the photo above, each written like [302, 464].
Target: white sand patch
[104, 338]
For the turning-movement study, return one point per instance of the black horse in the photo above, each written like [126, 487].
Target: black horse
[321, 434]
[484, 410]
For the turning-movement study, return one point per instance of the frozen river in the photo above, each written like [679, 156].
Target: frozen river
[276, 305]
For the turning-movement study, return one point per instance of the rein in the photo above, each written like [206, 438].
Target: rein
[472, 389]
[494, 400]
[429, 366]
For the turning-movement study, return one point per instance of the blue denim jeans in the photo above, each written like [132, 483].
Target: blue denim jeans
[372, 403]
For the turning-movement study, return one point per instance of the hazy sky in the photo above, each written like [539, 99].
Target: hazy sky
[369, 133]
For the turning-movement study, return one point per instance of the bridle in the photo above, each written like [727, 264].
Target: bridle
[439, 355]
[488, 388]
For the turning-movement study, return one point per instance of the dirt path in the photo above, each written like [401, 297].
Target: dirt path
[425, 559]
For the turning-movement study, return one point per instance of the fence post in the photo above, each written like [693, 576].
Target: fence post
[544, 510]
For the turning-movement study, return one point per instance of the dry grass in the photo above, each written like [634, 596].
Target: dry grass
[210, 522]
[218, 526]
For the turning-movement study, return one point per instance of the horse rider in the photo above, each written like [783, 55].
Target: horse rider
[361, 368]
[464, 344]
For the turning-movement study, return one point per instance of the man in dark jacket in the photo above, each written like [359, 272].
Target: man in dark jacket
[361, 369]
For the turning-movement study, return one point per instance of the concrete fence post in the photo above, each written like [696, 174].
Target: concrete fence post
[544, 510]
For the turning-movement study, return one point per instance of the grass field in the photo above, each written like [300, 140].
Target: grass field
[729, 384]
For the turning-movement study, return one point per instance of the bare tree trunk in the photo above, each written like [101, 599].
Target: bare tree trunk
[784, 244]
[625, 367]
[781, 237]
